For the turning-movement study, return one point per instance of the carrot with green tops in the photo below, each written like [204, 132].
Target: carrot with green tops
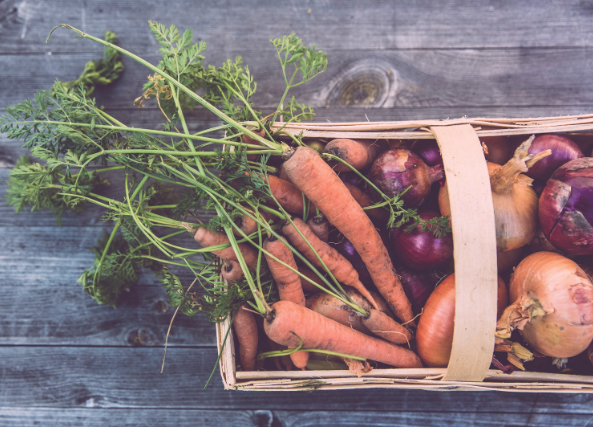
[245, 328]
[314, 177]
[385, 327]
[309, 287]
[286, 320]
[288, 282]
[359, 153]
[339, 266]
[207, 238]
[287, 194]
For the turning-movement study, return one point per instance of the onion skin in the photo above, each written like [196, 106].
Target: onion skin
[428, 150]
[506, 260]
[515, 202]
[553, 305]
[434, 335]
[397, 169]
[566, 207]
[500, 149]
[422, 249]
[563, 150]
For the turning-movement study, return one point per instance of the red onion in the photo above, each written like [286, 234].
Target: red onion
[566, 207]
[428, 150]
[351, 178]
[418, 284]
[422, 249]
[397, 169]
[563, 150]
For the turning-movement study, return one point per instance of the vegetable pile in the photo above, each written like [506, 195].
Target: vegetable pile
[315, 248]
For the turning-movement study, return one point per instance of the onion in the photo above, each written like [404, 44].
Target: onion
[506, 260]
[500, 148]
[566, 207]
[553, 305]
[428, 150]
[351, 178]
[397, 169]
[434, 335]
[563, 150]
[540, 243]
[422, 249]
[418, 284]
[515, 202]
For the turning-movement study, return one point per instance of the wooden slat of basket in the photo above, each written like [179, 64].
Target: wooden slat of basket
[474, 252]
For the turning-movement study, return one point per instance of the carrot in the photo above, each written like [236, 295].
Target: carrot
[365, 200]
[339, 266]
[287, 194]
[307, 286]
[319, 226]
[208, 238]
[285, 319]
[283, 363]
[246, 224]
[332, 308]
[385, 327]
[246, 330]
[231, 271]
[323, 187]
[282, 174]
[358, 153]
[288, 282]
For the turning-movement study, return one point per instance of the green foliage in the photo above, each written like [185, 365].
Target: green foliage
[118, 271]
[307, 61]
[101, 72]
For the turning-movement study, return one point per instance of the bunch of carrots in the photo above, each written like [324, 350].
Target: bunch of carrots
[269, 260]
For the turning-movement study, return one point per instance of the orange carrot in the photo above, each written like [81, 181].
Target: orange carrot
[365, 200]
[332, 308]
[356, 152]
[287, 194]
[319, 226]
[286, 319]
[246, 224]
[385, 327]
[339, 266]
[246, 330]
[282, 174]
[231, 271]
[325, 189]
[288, 282]
[208, 238]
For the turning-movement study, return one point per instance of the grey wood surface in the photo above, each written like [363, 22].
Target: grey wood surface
[66, 361]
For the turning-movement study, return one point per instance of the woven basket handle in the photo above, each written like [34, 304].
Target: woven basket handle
[474, 241]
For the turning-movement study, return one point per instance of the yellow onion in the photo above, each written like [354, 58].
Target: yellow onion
[553, 305]
[434, 335]
[514, 200]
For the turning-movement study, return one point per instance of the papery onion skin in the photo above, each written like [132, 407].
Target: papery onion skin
[515, 212]
[566, 207]
[563, 150]
[500, 148]
[422, 249]
[397, 169]
[553, 305]
[434, 336]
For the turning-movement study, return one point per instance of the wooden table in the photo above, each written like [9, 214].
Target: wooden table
[64, 360]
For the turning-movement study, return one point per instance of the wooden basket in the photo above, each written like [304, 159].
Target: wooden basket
[475, 267]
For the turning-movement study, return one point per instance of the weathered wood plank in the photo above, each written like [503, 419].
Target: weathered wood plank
[21, 417]
[338, 25]
[74, 377]
[363, 79]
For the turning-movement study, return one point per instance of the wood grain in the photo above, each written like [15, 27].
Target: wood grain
[334, 25]
[362, 79]
[119, 377]
[265, 418]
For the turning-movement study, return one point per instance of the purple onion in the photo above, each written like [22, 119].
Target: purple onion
[563, 150]
[566, 207]
[428, 150]
[397, 169]
[351, 178]
[418, 285]
[422, 249]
